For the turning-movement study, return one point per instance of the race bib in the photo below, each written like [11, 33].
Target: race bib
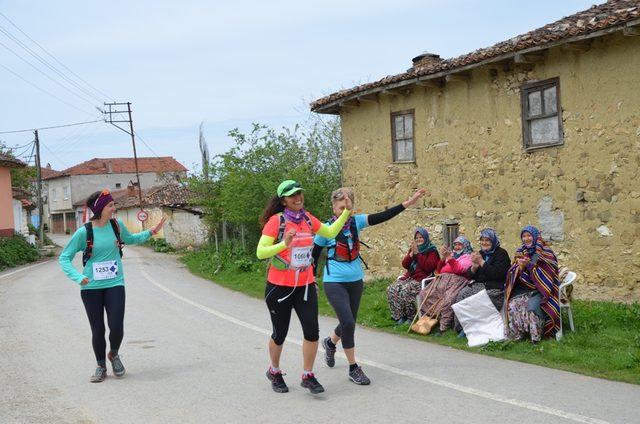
[301, 257]
[105, 270]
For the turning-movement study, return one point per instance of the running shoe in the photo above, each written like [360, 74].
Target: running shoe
[309, 382]
[359, 377]
[277, 382]
[116, 365]
[99, 375]
[329, 353]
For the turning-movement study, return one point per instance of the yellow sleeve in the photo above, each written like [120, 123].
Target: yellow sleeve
[331, 231]
[266, 248]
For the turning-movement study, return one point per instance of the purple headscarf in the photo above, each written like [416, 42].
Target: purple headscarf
[535, 233]
[103, 200]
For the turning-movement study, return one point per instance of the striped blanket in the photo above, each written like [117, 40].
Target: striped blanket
[543, 277]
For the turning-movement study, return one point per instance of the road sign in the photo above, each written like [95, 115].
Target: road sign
[142, 216]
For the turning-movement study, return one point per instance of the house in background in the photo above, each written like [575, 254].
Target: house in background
[23, 208]
[540, 129]
[184, 226]
[73, 185]
[7, 221]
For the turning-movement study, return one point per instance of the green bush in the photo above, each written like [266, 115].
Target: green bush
[229, 257]
[33, 230]
[16, 251]
[160, 245]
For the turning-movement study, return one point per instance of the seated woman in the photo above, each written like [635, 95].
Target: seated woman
[420, 262]
[489, 271]
[452, 270]
[531, 290]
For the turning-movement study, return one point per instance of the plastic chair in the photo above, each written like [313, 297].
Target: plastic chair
[423, 283]
[565, 302]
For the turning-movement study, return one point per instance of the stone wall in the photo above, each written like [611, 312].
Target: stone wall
[584, 195]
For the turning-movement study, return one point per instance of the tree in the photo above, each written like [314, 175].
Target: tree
[23, 178]
[244, 178]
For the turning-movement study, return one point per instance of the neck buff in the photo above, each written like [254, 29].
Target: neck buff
[293, 216]
[103, 200]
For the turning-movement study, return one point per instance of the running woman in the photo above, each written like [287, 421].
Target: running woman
[343, 274]
[287, 240]
[102, 279]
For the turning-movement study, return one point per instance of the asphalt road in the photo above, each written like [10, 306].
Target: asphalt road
[196, 353]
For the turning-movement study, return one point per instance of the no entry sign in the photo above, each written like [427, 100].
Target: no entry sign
[142, 216]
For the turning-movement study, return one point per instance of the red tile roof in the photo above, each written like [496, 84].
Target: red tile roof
[49, 173]
[7, 161]
[98, 166]
[170, 195]
[613, 15]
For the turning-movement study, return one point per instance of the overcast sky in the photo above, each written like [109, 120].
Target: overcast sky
[225, 63]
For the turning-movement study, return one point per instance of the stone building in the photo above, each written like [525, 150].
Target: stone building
[540, 129]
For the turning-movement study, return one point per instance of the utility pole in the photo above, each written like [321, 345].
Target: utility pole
[39, 192]
[114, 117]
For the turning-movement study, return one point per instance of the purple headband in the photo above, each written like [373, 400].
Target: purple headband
[103, 200]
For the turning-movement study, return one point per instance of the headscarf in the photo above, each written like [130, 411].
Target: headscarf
[466, 247]
[103, 200]
[491, 234]
[535, 233]
[427, 246]
[293, 216]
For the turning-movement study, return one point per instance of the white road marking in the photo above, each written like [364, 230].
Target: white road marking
[410, 374]
[24, 269]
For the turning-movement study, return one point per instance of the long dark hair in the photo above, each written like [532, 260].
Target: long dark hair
[90, 201]
[274, 206]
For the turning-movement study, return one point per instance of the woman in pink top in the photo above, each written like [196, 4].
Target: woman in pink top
[451, 278]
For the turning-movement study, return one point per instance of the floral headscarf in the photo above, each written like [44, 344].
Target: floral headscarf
[491, 234]
[466, 246]
[427, 246]
[535, 233]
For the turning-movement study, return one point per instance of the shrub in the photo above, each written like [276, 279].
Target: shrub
[16, 251]
[161, 245]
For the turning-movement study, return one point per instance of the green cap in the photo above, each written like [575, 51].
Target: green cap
[289, 188]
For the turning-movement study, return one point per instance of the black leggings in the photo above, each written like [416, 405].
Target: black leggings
[345, 300]
[280, 312]
[95, 303]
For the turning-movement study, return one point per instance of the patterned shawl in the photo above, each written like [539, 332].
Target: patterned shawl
[541, 276]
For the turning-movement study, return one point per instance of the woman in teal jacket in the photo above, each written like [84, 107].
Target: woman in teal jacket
[102, 279]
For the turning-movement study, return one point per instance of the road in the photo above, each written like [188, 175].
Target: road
[196, 353]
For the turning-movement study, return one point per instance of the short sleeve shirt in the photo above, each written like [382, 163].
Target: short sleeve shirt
[288, 277]
[342, 272]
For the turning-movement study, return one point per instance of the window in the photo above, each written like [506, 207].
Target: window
[402, 136]
[118, 185]
[541, 114]
[54, 195]
[65, 193]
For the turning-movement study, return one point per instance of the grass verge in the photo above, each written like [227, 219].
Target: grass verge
[606, 343]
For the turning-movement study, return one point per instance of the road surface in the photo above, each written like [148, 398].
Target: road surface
[196, 353]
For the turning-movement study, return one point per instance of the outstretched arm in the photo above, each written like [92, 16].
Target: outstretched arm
[331, 231]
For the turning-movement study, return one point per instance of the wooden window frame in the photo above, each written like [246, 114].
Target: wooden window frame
[393, 135]
[540, 86]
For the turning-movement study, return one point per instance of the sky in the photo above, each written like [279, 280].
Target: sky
[227, 64]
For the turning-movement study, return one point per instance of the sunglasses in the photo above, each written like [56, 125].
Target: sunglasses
[291, 187]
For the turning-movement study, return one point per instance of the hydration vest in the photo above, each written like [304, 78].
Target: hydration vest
[343, 251]
[88, 251]
[277, 261]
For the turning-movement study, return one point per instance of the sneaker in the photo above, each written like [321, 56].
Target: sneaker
[359, 377]
[310, 382]
[116, 365]
[277, 382]
[329, 353]
[99, 375]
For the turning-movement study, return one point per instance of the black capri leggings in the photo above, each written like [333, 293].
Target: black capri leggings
[345, 300]
[96, 301]
[280, 312]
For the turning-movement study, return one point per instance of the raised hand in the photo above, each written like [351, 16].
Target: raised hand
[288, 237]
[159, 226]
[415, 197]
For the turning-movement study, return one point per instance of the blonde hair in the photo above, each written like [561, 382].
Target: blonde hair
[341, 193]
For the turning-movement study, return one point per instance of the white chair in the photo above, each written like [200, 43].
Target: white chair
[565, 302]
[423, 283]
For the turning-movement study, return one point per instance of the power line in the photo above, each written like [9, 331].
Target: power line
[45, 91]
[48, 65]
[56, 156]
[50, 128]
[145, 143]
[46, 75]
[102, 93]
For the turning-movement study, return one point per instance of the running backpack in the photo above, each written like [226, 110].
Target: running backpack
[342, 251]
[88, 251]
[278, 262]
